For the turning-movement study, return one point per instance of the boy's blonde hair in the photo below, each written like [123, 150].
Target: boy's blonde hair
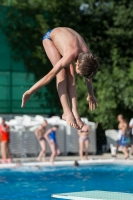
[88, 64]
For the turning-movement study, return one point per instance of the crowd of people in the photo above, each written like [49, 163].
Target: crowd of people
[43, 135]
[125, 135]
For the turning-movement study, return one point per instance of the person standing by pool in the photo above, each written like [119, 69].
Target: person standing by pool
[84, 141]
[131, 127]
[5, 141]
[39, 133]
[124, 139]
[50, 136]
[121, 123]
[128, 135]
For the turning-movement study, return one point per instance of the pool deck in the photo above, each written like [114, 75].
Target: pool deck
[69, 161]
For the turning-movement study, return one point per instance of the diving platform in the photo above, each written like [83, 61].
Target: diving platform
[94, 195]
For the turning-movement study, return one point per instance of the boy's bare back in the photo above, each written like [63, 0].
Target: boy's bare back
[66, 39]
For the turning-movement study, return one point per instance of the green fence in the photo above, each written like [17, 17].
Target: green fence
[14, 81]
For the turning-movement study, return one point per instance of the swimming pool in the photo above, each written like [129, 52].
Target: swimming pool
[30, 183]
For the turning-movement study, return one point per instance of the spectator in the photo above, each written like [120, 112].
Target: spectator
[39, 133]
[131, 126]
[121, 123]
[84, 141]
[128, 135]
[5, 140]
[123, 141]
[50, 136]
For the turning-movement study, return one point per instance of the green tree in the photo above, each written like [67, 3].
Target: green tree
[114, 88]
[105, 25]
[24, 25]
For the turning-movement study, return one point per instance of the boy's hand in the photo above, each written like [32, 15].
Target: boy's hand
[92, 102]
[25, 98]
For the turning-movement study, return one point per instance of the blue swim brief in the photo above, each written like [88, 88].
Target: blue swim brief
[47, 35]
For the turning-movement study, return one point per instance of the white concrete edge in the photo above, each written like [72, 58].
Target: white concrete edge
[72, 197]
[68, 163]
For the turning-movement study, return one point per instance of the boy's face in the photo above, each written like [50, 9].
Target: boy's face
[55, 128]
[77, 68]
[44, 123]
[120, 118]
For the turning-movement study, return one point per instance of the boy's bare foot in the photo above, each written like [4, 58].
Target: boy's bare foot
[78, 121]
[69, 118]
[52, 162]
[43, 160]
[126, 157]
[82, 158]
[38, 159]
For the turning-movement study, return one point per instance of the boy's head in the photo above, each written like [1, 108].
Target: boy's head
[87, 65]
[55, 127]
[45, 122]
[120, 117]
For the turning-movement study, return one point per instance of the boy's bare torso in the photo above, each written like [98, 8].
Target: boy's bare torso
[66, 39]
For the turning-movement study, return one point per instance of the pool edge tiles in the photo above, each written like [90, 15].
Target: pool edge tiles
[94, 195]
[57, 163]
[69, 163]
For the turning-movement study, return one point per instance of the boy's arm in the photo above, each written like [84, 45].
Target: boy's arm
[46, 135]
[63, 62]
[91, 98]
[37, 132]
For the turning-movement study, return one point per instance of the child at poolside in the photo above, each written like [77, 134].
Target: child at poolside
[5, 140]
[39, 133]
[84, 141]
[50, 136]
[123, 140]
[63, 47]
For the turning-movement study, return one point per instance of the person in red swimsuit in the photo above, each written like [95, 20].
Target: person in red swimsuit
[5, 140]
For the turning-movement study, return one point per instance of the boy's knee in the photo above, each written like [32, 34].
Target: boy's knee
[54, 153]
[43, 150]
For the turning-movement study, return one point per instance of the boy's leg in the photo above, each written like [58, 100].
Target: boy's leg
[8, 150]
[81, 148]
[71, 88]
[116, 152]
[39, 156]
[57, 150]
[54, 56]
[132, 148]
[53, 151]
[124, 150]
[3, 150]
[86, 148]
[43, 150]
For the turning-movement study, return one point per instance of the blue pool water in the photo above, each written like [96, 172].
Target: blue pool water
[31, 183]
